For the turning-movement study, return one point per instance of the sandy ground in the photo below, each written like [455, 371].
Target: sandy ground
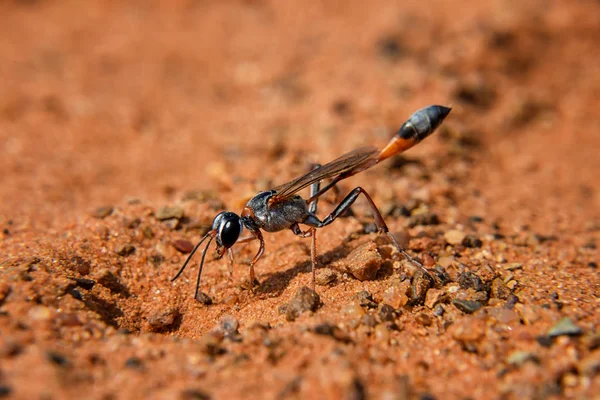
[111, 111]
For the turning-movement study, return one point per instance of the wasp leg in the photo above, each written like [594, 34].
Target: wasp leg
[312, 233]
[381, 225]
[261, 250]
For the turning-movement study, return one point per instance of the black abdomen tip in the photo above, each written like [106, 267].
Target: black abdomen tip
[423, 122]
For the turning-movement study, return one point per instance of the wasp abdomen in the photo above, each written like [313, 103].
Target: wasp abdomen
[423, 122]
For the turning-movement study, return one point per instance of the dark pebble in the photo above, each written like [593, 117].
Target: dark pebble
[125, 249]
[327, 329]
[421, 283]
[390, 49]
[472, 241]
[438, 310]
[499, 290]
[163, 320]
[194, 394]
[365, 299]
[5, 390]
[341, 108]
[103, 212]
[592, 264]
[76, 294]
[183, 246]
[468, 280]
[86, 284]
[134, 363]
[57, 358]
[423, 219]
[467, 306]
[544, 341]
[424, 319]
[305, 300]
[476, 218]
[440, 276]
[370, 228]
[387, 313]
[511, 301]
[204, 298]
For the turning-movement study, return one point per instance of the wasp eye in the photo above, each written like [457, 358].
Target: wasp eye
[230, 228]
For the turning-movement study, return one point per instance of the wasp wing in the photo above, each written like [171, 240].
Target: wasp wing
[347, 165]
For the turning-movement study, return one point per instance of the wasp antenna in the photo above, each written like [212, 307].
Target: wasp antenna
[211, 233]
[420, 125]
[201, 265]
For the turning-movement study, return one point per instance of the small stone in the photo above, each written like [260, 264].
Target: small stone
[519, 358]
[423, 219]
[440, 276]
[499, 290]
[423, 319]
[183, 246]
[364, 262]
[325, 277]
[5, 390]
[434, 297]
[382, 333]
[83, 283]
[472, 241]
[229, 325]
[147, 232]
[467, 306]
[103, 212]
[544, 341]
[369, 320]
[421, 283]
[203, 298]
[454, 237]
[163, 320]
[165, 213]
[513, 266]
[194, 394]
[171, 223]
[387, 313]
[125, 249]
[40, 313]
[305, 300]
[327, 329]
[353, 310]
[438, 311]
[468, 280]
[365, 299]
[57, 358]
[469, 329]
[134, 363]
[565, 327]
[446, 262]
[396, 295]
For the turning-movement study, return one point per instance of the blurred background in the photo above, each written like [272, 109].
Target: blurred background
[106, 101]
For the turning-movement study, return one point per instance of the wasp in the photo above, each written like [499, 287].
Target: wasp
[282, 208]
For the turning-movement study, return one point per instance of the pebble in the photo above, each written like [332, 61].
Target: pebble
[468, 280]
[387, 313]
[57, 358]
[229, 325]
[423, 319]
[438, 310]
[499, 290]
[469, 329]
[421, 283]
[369, 320]
[171, 223]
[519, 357]
[134, 363]
[305, 300]
[446, 262]
[364, 262]
[382, 333]
[365, 299]
[163, 320]
[325, 277]
[472, 241]
[440, 276]
[167, 212]
[203, 298]
[194, 394]
[183, 246]
[434, 297]
[83, 283]
[396, 296]
[125, 249]
[565, 327]
[423, 219]
[334, 331]
[454, 237]
[467, 306]
[103, 212]
[40, 313]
